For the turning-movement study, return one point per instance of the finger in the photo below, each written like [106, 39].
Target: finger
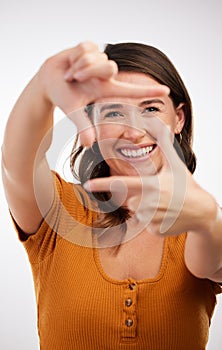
[175, 168]
[102, 70]
[87, 137]
[114, 184]
[75, 54]
[143, 212]
[118, 88]
[90, 59]
[84, 127]
[164, 138]
[81, 49]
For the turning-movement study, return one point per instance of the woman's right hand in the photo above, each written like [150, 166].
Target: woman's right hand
[80, 75]
[70, 80]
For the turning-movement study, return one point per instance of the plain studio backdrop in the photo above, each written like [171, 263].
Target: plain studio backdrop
[189, 32]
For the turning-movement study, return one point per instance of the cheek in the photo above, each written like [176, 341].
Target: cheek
[101, 132]
[106, 144]
[108, 131]
[171, 121]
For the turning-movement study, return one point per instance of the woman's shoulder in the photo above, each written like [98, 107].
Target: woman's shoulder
[71, 193]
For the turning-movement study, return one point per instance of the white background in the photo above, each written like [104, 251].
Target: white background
[189, 32]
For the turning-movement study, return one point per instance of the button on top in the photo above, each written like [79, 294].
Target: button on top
[132, 286]
[129, 322]
[128, 302]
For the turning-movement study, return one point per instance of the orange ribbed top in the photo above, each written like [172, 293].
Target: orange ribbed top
[81, 308]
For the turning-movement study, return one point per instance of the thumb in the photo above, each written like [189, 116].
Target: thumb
[166, 141]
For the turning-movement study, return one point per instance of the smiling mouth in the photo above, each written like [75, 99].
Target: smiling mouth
[137, 153]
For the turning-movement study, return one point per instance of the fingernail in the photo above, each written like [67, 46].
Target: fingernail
[167, 90]
[87, 145]
[68, 75]
[78, 75]
[86, 186]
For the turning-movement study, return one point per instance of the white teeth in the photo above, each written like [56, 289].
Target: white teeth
[141, 152]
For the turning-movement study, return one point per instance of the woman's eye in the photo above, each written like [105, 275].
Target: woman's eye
[113, 114]
[151, 109]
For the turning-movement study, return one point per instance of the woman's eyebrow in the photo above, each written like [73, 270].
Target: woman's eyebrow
[111, 106]
[148, 102]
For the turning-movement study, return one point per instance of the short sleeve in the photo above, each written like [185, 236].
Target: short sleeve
[70, 217]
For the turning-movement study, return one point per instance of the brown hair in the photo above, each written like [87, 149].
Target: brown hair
[136, 57]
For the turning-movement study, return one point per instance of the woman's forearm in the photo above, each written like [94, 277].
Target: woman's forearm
[203, 250]
[29, 121]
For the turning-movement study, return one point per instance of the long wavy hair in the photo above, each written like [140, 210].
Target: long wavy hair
[141, 58]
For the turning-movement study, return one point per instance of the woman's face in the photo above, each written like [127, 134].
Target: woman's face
[124, 128]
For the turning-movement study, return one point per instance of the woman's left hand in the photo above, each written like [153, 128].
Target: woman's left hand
[169, 202]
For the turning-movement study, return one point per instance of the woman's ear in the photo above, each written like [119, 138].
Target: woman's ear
[180, 118]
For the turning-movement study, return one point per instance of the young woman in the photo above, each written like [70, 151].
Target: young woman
[130, 258]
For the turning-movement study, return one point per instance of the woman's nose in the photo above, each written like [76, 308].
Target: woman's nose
[133, 133]
[133, 127]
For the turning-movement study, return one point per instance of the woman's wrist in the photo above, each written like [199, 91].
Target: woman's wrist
[206, 213]
[41, 93]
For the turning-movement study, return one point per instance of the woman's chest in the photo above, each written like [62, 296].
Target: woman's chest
[80, 305]
[140, 258]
